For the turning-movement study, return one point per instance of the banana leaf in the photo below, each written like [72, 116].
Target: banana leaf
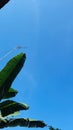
[11, 93]
[3, 2]
[9, 107]
[9, 73]
[22, 122]
[3, 123]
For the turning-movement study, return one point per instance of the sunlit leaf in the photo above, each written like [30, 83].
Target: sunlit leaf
[9, 107]
[9, 73]
[12, 115]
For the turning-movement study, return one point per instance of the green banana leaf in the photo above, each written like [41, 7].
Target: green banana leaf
[3, 123]
[3, 2]
[11, 93]
[22, 122]
[9, 73]
[9, 107]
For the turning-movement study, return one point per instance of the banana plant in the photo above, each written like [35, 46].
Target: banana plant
[8, 106]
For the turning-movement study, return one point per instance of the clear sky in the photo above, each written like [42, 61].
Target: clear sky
[45, 83]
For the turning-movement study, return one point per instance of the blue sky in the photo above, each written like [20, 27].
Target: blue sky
[45, 83]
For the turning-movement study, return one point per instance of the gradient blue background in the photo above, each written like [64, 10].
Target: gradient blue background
[45, 27]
